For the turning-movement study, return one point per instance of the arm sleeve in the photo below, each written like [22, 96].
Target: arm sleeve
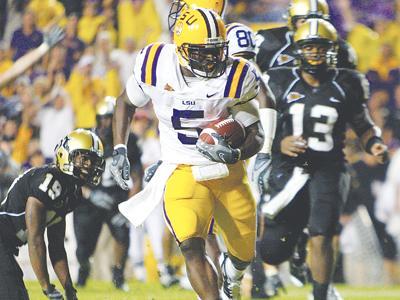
[135, 88]
[360, 118]
[135, 92]
[246, 113]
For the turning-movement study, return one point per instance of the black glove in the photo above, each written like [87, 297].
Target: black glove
[70, 293]
[150, 171]
[120, 167]
[53, 36]
[220, 152]
[261, 171]
[52, 293]
[101, 199]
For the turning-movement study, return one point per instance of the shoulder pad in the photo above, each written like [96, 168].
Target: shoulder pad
[146, 63]
[236, 78]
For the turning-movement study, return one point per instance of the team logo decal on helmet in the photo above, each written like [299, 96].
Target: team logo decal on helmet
[200, 38]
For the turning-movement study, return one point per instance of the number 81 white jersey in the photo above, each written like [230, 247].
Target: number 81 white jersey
[185, 105]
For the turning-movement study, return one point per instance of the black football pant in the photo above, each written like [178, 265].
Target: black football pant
[317, 206]
[12, 285]
[88, 221]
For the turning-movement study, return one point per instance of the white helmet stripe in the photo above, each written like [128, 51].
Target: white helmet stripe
[314, 27]
[216, 23]
[95, 142]
[313, 6]
[211, 22]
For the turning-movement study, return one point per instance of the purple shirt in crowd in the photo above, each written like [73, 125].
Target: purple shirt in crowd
[23, 43]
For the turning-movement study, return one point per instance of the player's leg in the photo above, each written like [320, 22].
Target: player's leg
[155, 228]
[136, 252]
[213, 251]
[119, 228]
[12, 286]
[280, 235]
[188, 208]
[235, 214]
[168, 248]
[326, 201]
[88, 220]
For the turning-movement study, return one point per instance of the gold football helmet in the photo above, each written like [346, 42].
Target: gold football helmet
[81, 154]
[104, 115]
[200, 39]
[316, 43]
[106, 107]
[217, 6]
[303, 9]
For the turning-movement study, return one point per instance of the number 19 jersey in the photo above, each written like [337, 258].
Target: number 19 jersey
[184, 105]
[60, 194]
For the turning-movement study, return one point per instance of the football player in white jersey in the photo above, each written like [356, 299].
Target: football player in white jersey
[191, 83]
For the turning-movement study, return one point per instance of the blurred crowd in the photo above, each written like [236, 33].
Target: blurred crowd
[96, 57]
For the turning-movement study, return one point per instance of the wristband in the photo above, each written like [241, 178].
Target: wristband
[373, 140]
[116, 147]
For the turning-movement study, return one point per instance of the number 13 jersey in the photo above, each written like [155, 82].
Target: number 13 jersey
[185, 105]
[319, 115]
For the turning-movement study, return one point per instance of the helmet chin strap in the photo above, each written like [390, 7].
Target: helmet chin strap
[317, 71]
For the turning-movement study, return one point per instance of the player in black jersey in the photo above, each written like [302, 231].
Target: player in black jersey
[102, 204]
[39, 199]
[276, 48]
[314, 102]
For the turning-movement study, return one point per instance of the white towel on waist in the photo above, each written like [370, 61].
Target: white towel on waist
[137, 208]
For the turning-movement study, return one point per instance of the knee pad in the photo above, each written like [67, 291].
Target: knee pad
[277, 244]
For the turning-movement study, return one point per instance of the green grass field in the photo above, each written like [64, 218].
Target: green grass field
[96, 290]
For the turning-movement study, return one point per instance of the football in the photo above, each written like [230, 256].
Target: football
[231, 130]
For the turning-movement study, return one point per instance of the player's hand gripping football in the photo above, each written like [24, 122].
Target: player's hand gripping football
[293, 145]
[380, 152]
[52, 293]
[120, 167]
[220, 152]
[261, 171]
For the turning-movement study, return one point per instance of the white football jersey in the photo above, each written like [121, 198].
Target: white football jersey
[185, 105]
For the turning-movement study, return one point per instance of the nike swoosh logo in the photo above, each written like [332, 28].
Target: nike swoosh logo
[334, 100]
[221, 156]
[209, 96]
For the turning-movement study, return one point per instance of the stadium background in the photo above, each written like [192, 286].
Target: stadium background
[94, 60]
